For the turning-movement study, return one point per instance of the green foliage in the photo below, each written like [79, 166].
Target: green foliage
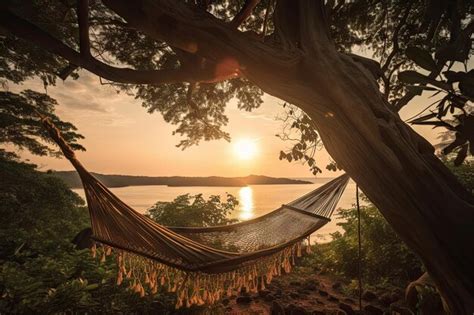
[38, 211]
[40, 270]
[299, 129]
[385, 258]
[202, 116]
[198, 112]
[454, 111]
[188, 210]
[20, 124]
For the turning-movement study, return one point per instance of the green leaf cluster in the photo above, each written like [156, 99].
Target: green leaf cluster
[20, 123]
[454, 111]
[385, 258]
[194, 210]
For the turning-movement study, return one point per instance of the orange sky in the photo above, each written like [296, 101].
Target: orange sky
[122, 138]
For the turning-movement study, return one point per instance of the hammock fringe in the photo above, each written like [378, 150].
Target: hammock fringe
[146, 276]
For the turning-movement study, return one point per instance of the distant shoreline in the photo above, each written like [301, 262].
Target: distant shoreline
[71, 178]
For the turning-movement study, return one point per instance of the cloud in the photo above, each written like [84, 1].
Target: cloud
[84, 99]
[251, 115]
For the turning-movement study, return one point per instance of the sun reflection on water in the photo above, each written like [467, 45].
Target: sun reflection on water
[246, 203]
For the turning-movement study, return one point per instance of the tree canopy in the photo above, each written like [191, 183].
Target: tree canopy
[191, 91]
[22, 128]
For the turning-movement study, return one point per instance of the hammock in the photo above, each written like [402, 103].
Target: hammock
[200, 264]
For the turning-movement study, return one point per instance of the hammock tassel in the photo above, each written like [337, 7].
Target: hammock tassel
[197, 288]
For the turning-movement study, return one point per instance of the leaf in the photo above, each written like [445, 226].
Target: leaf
[423, 118]
[458, 141]
[434, 94]
[466, 85]
[92, 286]
[413, 77]
[421, 57]
[453, 76]
[435, 124]
[461, 155]
[415, 89]
[442, 110]
[456, 51]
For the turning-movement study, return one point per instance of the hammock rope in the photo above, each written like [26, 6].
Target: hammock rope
[200, 264]
[359, 249]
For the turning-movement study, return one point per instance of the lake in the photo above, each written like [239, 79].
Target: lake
[254, 200]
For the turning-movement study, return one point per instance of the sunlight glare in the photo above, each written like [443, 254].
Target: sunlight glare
[246, 203]
[245, 149]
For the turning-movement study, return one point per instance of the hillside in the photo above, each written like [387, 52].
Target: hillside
[71, 178]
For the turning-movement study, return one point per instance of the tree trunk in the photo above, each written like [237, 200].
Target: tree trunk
[395, 167]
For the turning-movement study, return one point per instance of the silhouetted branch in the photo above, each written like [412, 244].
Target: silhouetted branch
[244, 13]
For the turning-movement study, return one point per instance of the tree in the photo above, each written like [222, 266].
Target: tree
[187, 210]
[186, 59]
[21, 127]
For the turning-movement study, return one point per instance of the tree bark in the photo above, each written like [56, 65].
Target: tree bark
[394, 166]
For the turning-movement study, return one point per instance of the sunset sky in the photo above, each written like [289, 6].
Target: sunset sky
[122, 138]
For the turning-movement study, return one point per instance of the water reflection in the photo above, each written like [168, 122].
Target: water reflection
[246, 203]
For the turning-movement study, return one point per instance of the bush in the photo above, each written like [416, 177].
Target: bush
[189, 210]
[385, 258]
[40, 270]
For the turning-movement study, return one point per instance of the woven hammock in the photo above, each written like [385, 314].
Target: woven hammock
[200, 264]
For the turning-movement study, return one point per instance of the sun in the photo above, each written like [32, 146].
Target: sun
[245, 149]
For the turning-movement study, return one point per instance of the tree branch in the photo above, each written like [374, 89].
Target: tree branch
[197, 32]
[396, 32]
[265, 20]
[244, 13]
[35, 35]
[83, 21]
[370, 64]
[301, 24]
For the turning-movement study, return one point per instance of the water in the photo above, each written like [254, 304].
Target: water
[254, 200]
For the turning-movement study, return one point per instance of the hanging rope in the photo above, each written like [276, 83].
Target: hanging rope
[360, 248]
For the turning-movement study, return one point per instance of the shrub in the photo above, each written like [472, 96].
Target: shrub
[189, 210]
[385, 258]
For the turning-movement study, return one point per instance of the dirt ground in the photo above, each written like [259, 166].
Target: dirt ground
[315, 294]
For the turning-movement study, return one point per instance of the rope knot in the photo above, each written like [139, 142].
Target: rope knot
[55, 134]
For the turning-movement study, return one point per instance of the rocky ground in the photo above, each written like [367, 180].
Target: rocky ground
[315, 294]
